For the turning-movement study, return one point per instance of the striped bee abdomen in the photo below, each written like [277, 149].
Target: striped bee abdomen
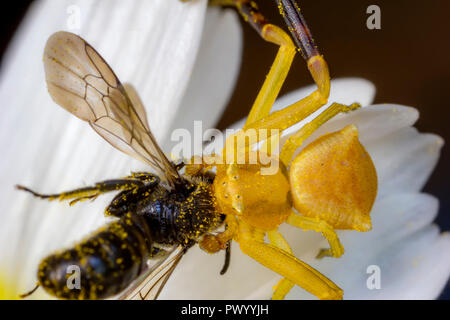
[107, 262]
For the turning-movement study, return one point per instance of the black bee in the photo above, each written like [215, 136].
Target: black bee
[158, 215]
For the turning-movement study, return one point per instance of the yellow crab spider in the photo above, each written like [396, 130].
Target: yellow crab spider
[331, 184]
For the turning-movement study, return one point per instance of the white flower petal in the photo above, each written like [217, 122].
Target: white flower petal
[394, 217]
[398, 221]
[422, 266]
[373, 122]
[416, 267]
[48, 149]
[404, 159]
[214, 74]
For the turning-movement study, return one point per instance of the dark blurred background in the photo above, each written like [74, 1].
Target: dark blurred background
[407, 60]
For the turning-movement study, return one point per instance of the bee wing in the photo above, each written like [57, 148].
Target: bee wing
[137, 103]
[150, 284]
[80, 81]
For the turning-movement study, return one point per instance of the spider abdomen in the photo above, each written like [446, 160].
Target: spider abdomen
[334, 179]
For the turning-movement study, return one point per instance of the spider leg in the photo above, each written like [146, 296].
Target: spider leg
[284, 285]
[259, 117]
[307, 223]
[297, 139]
[213, 243]
[282, 63]
[288, 266]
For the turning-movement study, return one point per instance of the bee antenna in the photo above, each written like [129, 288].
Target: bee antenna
[23, 188]
[29, 293]
[20, 187]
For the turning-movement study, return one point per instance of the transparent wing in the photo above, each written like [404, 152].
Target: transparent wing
[80, 81]
[137, 104]
[150, 284]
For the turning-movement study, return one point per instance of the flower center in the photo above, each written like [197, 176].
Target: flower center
[8, 289]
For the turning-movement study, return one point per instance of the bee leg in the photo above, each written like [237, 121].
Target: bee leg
[126, 201]
[284, 285]
[289, 267]
[29, 293]
[144, 177]
[297, 139]
[307, 223]
[86, 193]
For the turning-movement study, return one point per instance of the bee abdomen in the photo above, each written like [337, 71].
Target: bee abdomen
[100, 266]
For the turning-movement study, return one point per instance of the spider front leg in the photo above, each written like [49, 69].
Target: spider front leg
[259, 117]
[281, 65]
[252, 244]
[214, 243]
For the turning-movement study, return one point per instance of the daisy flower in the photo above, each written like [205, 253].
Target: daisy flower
[183, 60]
